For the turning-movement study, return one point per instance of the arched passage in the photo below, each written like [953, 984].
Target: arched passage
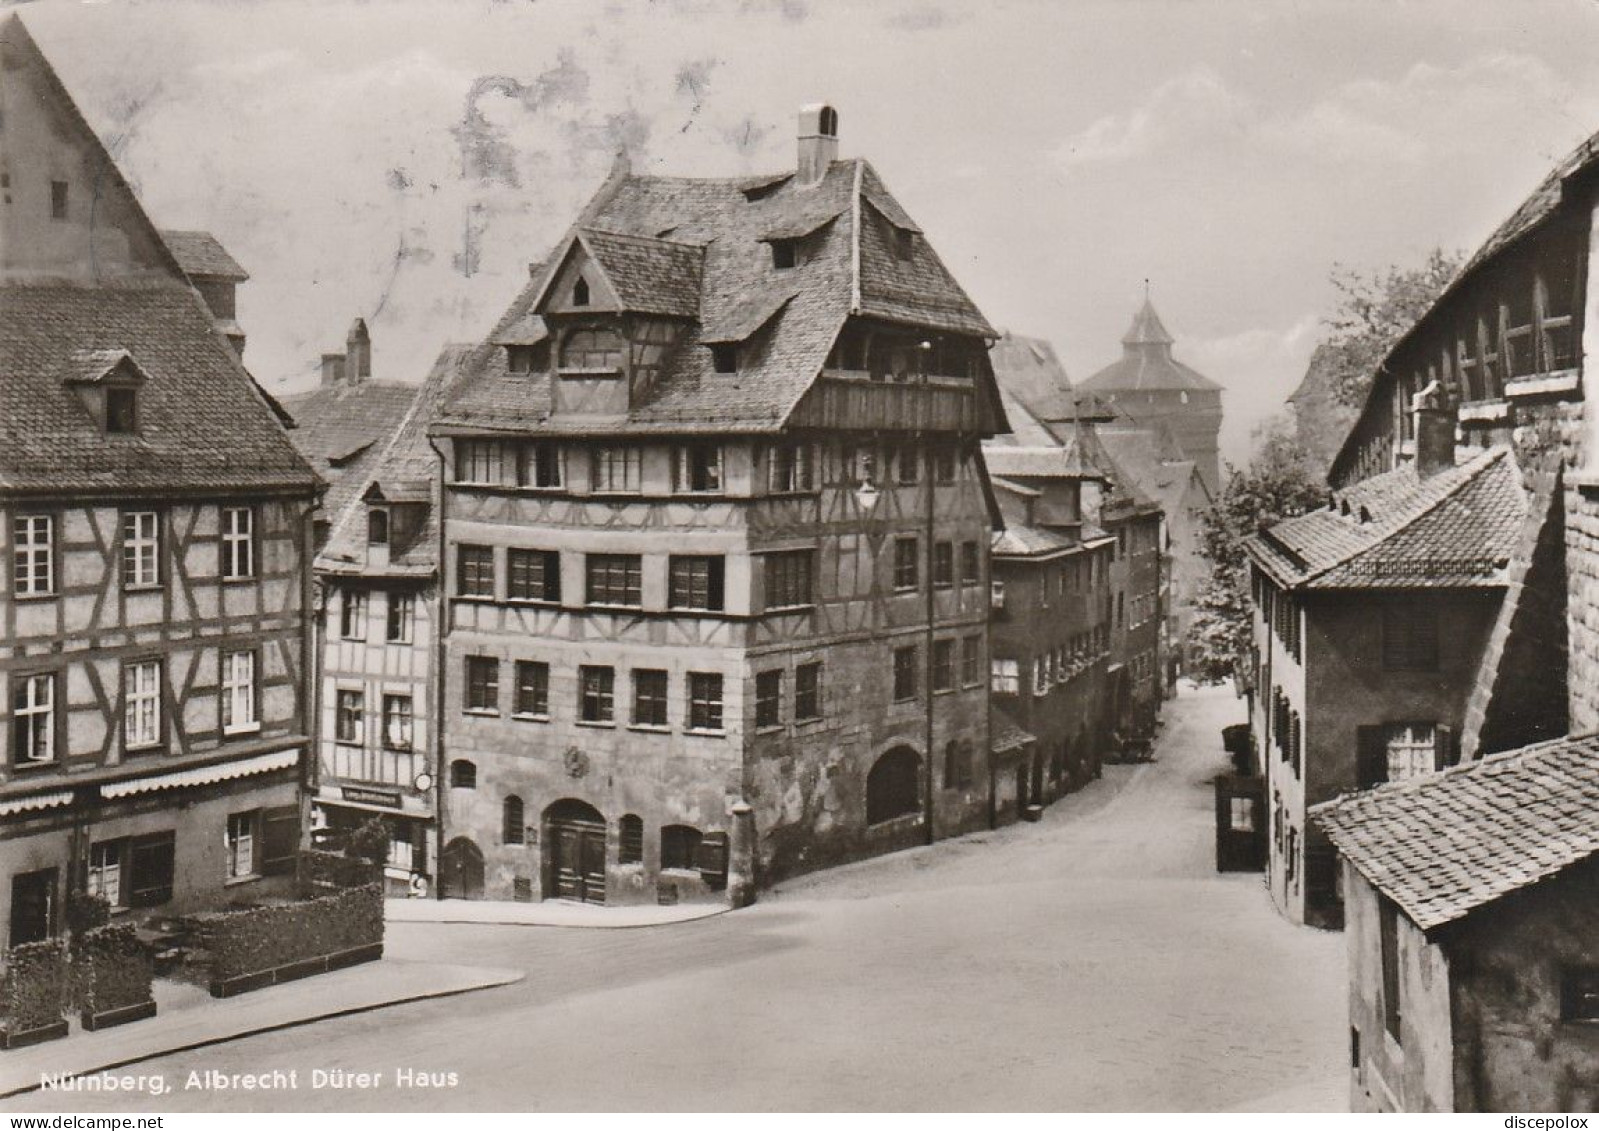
[893, 787]
[461, 869]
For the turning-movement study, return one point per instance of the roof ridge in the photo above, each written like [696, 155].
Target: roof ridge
[640, 237]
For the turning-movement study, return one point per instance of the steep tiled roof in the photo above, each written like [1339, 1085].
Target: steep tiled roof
[1017, 541]
[1146, 363]
[1442, 845]
[202, 256]
[1455, 528]
[404, 469]
[203, 424]
[1028, 370]
[1147, 328]
[1056, 462]
[1146, 456]
[341, 429]
[650, 275]
[790, 317]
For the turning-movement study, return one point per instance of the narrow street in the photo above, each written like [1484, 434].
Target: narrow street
[1093, 961]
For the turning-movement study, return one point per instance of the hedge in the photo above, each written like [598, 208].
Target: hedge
[35, 985]
[321, 870]
[117, 970]
[254, 940]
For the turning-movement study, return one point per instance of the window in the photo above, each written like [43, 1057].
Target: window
[697, 468]
[538, 465]
[151, 862]
[533, 575]
[397, 722]
[695, 583]
[349, 719]
[783, 253]
[238, 693]
[907, 465]
[769, 698]
[1388, 932]
[377, 526]
[808, 691]
[532, 688]
[463, 774]
[679, 845]
[724, 358]
[33, 555]
[972, 661]
[121, 410]
[616, 468]
[141, 705]
[945, 462]
[630, 840]
[33, 719]
[580, 292]
[1410, 637]
[475, 571]
[971, 564]
[401, 618]
[477, 461]
[596, 694]
[141, 549]
[944, 665]
[905, 563]
[905, 674]
[105, 870]
[238, 542]
[599, 350]
[521, 358]
[788, 579]
[352, 615]
[615, 579]
[513, 826]
[791, 468]
[482, 683]
[1241, 814]
[1579, 993]
[704, 701]
[58, 200]
[1041, 673]
[943, 565]
[1004, 677]
[892, 788]
[649, 697]
[242, 835]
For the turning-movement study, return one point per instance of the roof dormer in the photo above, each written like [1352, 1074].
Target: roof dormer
[108, 382]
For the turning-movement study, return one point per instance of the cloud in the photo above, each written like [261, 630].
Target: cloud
[1189, 108]
[1259, 367]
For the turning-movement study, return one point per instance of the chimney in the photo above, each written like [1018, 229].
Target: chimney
[332, 368]
[818, 142]
[1435, 430]
[358, 353]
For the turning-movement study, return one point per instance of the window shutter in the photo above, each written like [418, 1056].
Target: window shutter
[280, 840]
[1371, 756]
[1444, 753]
[711, 860]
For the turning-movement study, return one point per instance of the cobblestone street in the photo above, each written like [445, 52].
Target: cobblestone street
[1093, 961]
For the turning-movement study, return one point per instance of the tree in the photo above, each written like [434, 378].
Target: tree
[1373, 311]
[1277, 484]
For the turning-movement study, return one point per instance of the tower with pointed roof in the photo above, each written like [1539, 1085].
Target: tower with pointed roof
[1152, 387]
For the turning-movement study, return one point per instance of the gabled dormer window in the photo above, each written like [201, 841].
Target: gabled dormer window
[580, 292]
[784, 253]
[377, 527]
[592, 349]
[121, 410]
[724, 358]
[528, 359]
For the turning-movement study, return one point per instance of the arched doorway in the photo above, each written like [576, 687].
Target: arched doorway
[461, 869]
[574, 856]
[893, 786]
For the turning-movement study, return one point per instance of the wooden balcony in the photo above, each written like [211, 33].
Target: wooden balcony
[843, 399]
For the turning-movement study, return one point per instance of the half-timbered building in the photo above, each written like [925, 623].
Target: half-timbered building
[154, 519]
[716, 532]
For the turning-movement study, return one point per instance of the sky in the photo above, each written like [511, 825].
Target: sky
[407, 160]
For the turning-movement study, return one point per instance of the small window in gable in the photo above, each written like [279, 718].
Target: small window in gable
[724, 358]
[528, 359]
[377, 527]
[121, 410]
[58, 200]
[904, 243]
[580, 292]
[784, 253]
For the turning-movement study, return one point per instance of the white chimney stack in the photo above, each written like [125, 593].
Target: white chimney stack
[818, 142]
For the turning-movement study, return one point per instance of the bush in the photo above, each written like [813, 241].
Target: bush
[35, 985]
[116, 969]
[370, 842]
[255, 939]
[85, 912]
[319, 871]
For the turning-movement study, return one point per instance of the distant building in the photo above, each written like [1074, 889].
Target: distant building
[716, 530]
[155, 520]
[1372, 616]
[1152, 387]
[1321, 418]
[1473, 932]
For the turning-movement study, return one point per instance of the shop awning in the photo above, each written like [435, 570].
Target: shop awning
[36, 802]
[204, 775]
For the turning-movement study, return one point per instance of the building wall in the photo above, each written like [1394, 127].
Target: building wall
[1415, 1072]
[1194, 417]
[1136, 619]
[1282, 672]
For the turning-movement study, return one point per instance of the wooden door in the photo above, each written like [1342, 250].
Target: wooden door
[461, 869]
[33, 906]
[578, 863]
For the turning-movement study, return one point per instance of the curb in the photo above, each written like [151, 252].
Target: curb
[595, 926]
[503, 978]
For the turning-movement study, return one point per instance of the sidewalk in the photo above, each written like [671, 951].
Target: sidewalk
[550, 913]
[190, 1018]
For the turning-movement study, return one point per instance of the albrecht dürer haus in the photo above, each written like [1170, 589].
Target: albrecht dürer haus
[717, 529]
[154, 515]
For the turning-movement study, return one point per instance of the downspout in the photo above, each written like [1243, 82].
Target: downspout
[442, 618]
[927, 493]
[311, 629]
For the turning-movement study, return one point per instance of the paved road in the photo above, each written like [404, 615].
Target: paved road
[1093, 961]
